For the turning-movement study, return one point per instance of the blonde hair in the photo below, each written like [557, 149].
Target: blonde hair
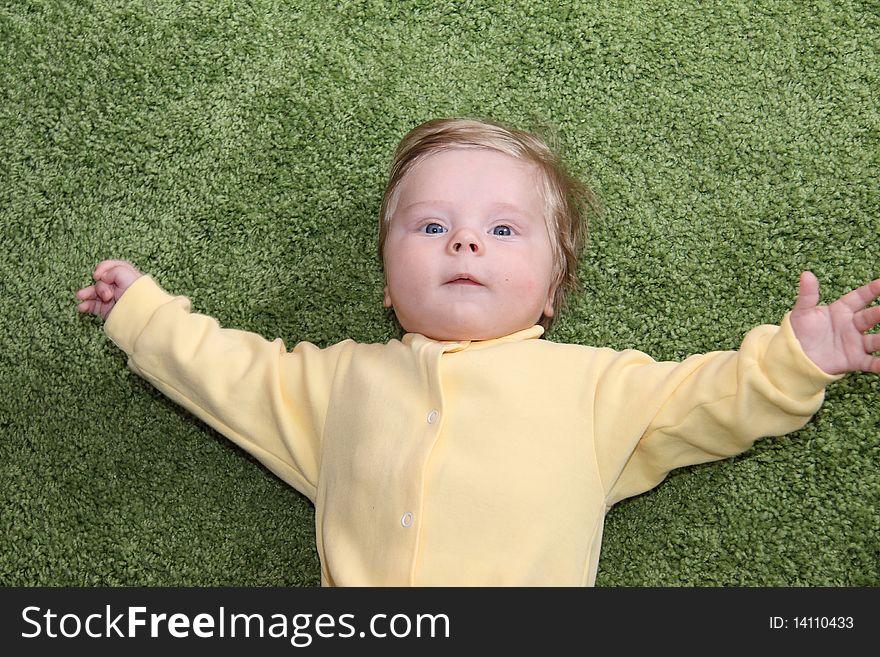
[568, 201]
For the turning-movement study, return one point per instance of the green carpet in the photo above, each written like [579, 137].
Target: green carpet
[237, 150]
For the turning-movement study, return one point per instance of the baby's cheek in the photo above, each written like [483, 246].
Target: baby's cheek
[527, 291]
[522, 283]
[401, 266]
[406, 282]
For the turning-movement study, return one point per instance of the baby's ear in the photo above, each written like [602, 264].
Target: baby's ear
[386, 301]
[551, 297]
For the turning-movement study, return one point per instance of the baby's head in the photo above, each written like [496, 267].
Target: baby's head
[480, 230]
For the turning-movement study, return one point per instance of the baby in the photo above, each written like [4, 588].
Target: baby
[471, 452]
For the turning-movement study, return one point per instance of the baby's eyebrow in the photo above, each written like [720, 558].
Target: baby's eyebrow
[431, 203]
[511, 207]
[498, 205]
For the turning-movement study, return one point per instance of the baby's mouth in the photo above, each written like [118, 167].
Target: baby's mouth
[463, 279]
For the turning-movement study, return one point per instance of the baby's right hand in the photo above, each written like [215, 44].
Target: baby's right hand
[112, 279]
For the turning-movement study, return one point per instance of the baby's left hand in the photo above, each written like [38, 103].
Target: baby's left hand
[833, 336]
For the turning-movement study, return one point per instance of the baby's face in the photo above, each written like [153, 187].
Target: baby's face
[468, 255]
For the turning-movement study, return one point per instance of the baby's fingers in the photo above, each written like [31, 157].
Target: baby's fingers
[105, 265]
[867, 319]
[97, 307]
[86, 306]
[862, 296]
[86, 293]
[92, 301]
[104, 291]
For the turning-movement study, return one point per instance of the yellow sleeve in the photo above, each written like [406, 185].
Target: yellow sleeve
[652, 417]
[267, 400]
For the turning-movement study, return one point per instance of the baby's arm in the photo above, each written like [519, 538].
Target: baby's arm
[267, 400]
[653, 417]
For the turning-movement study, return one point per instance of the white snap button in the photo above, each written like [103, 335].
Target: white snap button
[407, 519]
[433, 415]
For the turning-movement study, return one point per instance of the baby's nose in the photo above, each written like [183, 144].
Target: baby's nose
[465, 240]
[458, 245]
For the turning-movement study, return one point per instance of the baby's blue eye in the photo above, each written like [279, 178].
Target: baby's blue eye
[434, 229]
[503, 231]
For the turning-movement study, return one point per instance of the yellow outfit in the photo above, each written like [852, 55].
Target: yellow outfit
[465, 463]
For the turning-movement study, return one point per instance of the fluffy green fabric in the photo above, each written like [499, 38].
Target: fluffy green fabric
[237, 152]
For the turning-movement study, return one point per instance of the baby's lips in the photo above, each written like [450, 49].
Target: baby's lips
[464, 277]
